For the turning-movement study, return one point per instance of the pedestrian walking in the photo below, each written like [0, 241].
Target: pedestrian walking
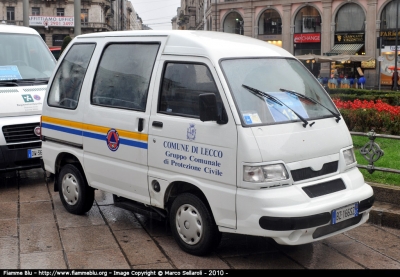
[361, 82]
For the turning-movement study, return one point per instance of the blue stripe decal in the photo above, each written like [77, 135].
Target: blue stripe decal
[94, 135]
[128, 142]
[62, 129]
[133, 143]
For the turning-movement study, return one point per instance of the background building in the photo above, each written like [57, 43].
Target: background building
[325, 27]
[54, 19]
[134, 21]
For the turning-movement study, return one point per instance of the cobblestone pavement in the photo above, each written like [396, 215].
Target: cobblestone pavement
[36, 232]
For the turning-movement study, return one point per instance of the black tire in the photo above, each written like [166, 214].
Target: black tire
[76, 196]
[193, 226]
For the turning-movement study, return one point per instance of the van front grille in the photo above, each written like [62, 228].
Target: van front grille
[307, 173]
[28, 145]
[20, 133]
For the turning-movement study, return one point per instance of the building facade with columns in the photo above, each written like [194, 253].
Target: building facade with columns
[54, 19]
[325, 27]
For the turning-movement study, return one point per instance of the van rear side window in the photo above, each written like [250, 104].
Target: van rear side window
[66, 87]
[123, 77]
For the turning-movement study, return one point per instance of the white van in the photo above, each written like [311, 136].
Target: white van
[216, 132]
[26, 64]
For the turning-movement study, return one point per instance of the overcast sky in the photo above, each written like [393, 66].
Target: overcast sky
[157, 14]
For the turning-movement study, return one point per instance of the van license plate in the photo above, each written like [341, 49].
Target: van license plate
[344, 213]
[34, 153]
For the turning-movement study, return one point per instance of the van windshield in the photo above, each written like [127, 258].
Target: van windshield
[24, 60]
[270, 90]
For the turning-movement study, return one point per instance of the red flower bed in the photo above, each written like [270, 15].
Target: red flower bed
[362, 116]
[358, 104]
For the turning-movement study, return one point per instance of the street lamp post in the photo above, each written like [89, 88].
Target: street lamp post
[216, 12]
[395, 51]
[25, 13]
[77, 17]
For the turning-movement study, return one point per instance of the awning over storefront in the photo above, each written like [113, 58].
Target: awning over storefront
[351, 58]
[317, 58]
[344, 49]
[336, 58]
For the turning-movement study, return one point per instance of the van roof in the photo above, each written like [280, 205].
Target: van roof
[204, 43]
[4, 28]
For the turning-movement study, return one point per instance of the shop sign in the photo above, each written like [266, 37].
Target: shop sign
[389, 34]
[368, 64]
[307, 38]
[341, 38]
[270, 37]
[51, 21]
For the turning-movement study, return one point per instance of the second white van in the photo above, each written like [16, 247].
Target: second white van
[26, 65]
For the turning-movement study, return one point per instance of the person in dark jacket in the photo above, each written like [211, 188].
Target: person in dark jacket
[393, 79]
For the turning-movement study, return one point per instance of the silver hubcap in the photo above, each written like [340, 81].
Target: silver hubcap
[189, 224]
[70, 189]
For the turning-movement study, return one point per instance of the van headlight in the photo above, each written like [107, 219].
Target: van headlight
[265, 173]
[349, 156]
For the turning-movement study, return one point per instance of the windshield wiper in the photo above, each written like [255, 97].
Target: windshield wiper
[34, 80]
[17, 82]
[312, 100]
[8, 83]
[260, 93]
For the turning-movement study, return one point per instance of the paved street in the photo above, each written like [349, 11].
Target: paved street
[37, 233]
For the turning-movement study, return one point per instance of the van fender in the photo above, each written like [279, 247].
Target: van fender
[178, 187]
[219, 198]
[62, 159]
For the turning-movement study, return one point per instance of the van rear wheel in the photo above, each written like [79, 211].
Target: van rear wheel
[76, 196]
[193, 226]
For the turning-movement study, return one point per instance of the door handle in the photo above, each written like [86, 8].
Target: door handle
[140, 124]
[157, 124]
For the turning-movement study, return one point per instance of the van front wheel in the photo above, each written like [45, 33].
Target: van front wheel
[192, 225]
[76, 196]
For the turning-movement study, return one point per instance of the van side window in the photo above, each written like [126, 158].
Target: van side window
[123, 77]
[66, 87]
[181, 86]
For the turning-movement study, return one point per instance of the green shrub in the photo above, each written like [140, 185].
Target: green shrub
[65, 43]
[363, 120]
[354, 91]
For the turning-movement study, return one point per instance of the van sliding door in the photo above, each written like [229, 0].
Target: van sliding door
[116, 142]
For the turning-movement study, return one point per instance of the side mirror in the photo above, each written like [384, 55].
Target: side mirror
[208, 107]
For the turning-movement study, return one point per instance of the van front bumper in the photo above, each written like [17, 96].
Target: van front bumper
[291, 217]
[311, 221]
[17, 159]
[295, 223]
